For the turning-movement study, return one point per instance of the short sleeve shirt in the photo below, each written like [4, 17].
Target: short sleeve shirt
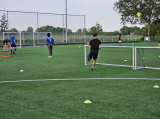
[95, 44]
[49, 40]
[12, 38]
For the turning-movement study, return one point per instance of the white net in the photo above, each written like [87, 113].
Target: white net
[152, 39]
[147, 57]
[46, 22]
[7, 35]
[113, 56]
[25, 39]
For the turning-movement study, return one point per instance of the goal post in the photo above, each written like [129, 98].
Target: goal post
[34, 38]
[122, 56]
[27, 38]
[6, 53]
[147, 58]
[7, 35]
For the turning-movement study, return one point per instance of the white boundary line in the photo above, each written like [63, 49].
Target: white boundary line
[76, 79]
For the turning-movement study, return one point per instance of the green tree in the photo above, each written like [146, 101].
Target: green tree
[137, 30]
[93, 30]
[155, 27]
[99, 28]
[13, 30]
[144, 31]
[158, 33]
[4, 23]
[52, 29]
[69, 31]
[116, 32]
[125, 30]
[29, 29]
[131, 29]
[128, 9]
[79, 30]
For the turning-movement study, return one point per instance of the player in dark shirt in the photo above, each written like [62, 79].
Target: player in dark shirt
[6, 44]
[94, 45]
[120, 40]
[159, 44]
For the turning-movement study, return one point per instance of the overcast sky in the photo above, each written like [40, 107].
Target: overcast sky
[95, 10]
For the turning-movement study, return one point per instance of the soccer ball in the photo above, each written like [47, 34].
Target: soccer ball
[139, 14]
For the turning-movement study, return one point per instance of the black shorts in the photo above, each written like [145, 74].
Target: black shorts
[94, 54]
[159, 41]
[5, 42]
[13, 45]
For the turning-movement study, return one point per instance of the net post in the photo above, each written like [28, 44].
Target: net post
[33, 39]
[63, 26]
[85, 28]
[133, 59]
[20, 39]
[85, 54]
[74, 37]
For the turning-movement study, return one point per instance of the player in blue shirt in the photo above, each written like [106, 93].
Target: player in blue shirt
[13, 43]
[49, 42]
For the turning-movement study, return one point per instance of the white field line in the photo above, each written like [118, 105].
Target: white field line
[76, 79]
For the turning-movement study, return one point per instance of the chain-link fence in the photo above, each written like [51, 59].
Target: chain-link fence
[19, 21]
[152, 39]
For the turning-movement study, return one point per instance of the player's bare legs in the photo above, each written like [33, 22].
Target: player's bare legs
[14, 50]
[94, 62]
[4, 47]
[88, 59]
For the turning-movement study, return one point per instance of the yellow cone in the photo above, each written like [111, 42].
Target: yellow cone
[125, 60]
[21, 71]
[156, 86]
[87, 101]
[132, 43]
[79, 46]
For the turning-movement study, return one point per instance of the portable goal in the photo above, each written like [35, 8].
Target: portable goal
[27, 38]
[2, 53]
[147, 57]
[122, 56]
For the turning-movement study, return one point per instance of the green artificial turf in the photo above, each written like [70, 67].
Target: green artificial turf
[111, 98]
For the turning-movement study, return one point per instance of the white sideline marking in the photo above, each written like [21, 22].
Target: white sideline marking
[75, 79]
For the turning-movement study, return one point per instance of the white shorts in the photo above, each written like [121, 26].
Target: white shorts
[119, 41]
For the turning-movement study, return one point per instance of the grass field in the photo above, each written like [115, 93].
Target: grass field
[33, 98]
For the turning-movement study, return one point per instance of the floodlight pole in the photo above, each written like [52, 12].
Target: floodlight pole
[66, 21]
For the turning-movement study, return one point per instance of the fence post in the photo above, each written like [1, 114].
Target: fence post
[74, 37]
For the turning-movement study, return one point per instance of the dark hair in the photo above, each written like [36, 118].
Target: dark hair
[95, 34]
[48, 34]
[12, 33]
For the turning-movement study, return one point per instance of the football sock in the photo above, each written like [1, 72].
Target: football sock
[11, 51]
[14, 50]
[7, 49]
[4, 49]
